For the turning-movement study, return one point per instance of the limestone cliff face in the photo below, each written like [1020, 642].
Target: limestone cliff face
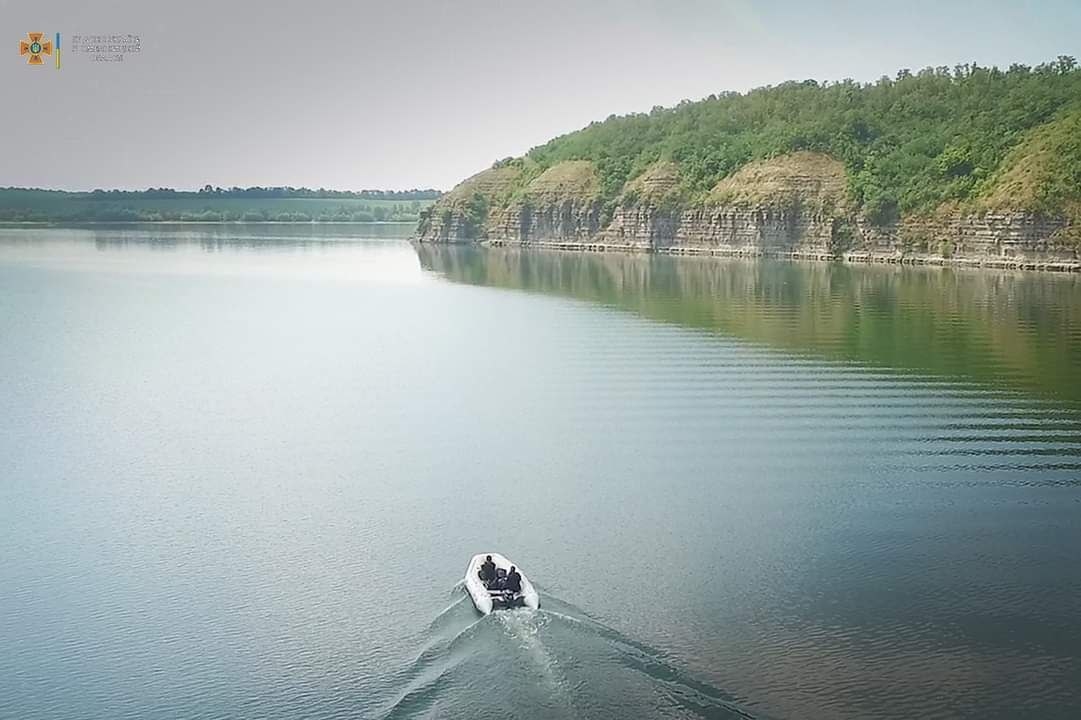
[1004, 236]
[793, 206]
[725, 229]
[558, 220]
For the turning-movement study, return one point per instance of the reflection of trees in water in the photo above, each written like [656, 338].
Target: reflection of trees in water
[1011, 330]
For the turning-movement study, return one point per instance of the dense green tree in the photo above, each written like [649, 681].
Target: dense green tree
[909, 144]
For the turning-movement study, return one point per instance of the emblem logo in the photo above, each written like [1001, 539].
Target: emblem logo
[34, 47]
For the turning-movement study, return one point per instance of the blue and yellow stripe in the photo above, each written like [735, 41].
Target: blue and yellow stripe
[58, 51]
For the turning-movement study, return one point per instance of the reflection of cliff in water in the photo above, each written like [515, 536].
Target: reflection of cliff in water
[1012, 330]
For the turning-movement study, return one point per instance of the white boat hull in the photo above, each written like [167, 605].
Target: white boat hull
[480, 595]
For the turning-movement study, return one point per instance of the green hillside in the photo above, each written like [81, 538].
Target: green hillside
[911, 144]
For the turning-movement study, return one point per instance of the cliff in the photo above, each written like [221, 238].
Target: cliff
[998, 187]
[791, 206]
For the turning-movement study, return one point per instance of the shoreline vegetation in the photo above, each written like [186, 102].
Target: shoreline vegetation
[212, 205]
[964, 165]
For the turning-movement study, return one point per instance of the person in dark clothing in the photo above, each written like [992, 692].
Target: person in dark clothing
[500, 582]
[514, 581]
[487, 570]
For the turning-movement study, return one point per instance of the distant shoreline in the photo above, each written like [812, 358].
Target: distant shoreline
[253, 205]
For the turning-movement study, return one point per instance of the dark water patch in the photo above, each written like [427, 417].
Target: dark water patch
[1007, 329]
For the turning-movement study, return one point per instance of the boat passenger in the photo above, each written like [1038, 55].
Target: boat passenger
[514, 581]
[500, 581]
[487, 570]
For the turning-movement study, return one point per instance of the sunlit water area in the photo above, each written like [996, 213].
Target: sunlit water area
[242, 470]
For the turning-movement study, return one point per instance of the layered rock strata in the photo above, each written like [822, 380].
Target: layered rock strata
[794, 206]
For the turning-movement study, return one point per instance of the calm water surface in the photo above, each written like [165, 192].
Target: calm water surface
[242, 471]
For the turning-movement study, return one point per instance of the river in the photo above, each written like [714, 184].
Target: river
[242, 470]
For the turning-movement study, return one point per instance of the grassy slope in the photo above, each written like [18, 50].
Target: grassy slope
[813, 177]
[1043, 172]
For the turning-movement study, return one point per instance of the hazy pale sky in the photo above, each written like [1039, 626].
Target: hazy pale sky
[419, 93]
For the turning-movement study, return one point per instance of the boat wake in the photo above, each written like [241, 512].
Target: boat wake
[555, 661]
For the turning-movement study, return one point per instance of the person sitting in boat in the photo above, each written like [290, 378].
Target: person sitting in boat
[514, 581]
[487, 571]
[500, 581]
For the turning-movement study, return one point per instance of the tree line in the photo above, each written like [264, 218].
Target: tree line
[271, 192]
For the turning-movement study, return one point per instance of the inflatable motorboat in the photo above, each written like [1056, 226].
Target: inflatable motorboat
[488, 598]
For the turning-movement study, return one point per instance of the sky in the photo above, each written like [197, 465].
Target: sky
[422, 93]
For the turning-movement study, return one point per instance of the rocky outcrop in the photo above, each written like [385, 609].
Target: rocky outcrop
[724, 230]
[560, 205]
[462, 215]
[562, 221]
[990, 237]
[793, 206]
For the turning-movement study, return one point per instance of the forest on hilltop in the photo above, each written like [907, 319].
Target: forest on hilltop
[913, 143]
